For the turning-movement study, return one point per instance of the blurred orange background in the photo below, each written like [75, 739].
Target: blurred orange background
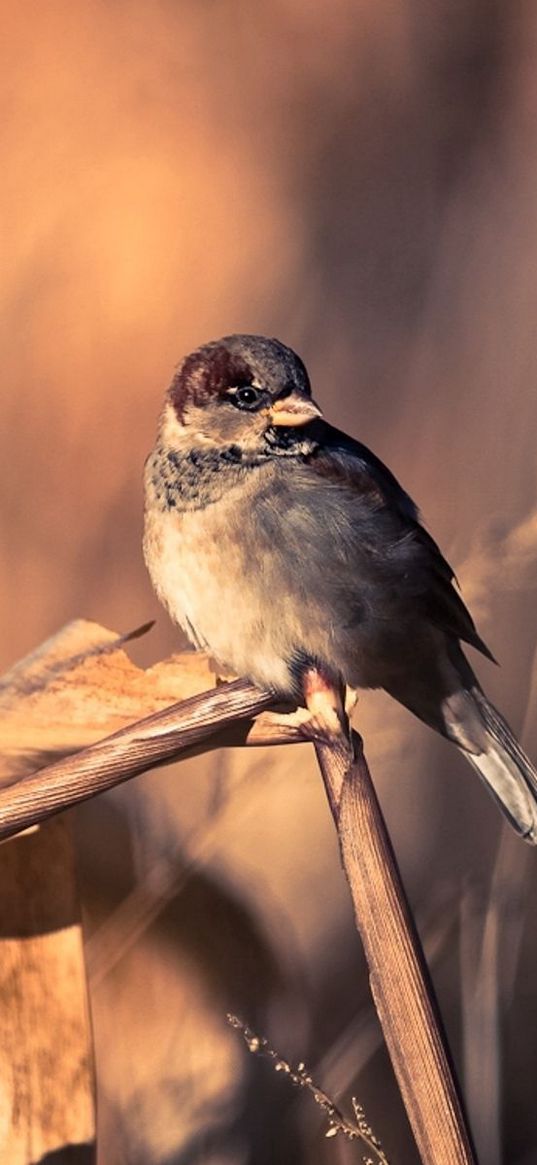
[359, 180]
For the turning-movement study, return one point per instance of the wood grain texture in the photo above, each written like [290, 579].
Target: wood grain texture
[46, 1064]
[143, 745]
[403, 993]
[79, 686]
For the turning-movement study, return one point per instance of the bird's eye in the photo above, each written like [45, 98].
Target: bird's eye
[246, 397]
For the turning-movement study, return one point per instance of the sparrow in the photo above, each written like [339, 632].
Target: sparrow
[288, 551]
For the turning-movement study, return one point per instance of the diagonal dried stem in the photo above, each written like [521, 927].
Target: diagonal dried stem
[155, 740]
[400, 984]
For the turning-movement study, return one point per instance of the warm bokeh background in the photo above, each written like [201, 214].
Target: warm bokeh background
[361, 181]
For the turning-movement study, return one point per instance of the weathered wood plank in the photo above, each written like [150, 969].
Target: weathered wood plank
[46, 1064]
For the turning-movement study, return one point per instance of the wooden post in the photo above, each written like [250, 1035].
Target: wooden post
[46, 1061]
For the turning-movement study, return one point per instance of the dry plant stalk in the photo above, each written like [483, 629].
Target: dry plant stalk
[358, 1129]
[147, 743]
[399, 980]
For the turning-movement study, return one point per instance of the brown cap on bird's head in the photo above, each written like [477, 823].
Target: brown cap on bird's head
[242, 363]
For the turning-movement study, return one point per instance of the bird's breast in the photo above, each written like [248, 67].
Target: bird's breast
[216, 581]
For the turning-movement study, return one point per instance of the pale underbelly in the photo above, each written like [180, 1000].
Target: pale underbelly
[224, 607]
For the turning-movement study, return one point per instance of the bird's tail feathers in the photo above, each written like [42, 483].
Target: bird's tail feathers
[505, 769]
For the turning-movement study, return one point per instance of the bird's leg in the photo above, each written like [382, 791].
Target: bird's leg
[324, 696]
[351, 700]
[327, 708]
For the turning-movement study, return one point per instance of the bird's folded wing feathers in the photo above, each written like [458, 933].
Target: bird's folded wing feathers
[345, 462]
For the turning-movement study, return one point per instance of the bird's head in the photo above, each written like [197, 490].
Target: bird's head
[235, 390]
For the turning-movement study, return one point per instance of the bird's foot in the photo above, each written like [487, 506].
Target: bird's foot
[325, 702]
[324, 718]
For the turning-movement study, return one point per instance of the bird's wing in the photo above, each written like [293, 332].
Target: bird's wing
[347, 463]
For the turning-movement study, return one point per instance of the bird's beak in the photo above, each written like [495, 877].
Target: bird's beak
[294, 410]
